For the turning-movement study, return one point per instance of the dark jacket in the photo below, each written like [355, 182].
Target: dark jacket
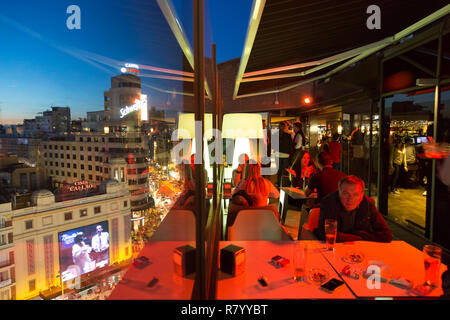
[368, 224]
[286, 143]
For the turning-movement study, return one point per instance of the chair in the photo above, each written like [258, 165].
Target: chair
[306, 232]
[178, 225]
[254, 224]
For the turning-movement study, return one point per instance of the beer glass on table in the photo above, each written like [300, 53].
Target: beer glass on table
[432, 261]
[300, 256]
[330, 233]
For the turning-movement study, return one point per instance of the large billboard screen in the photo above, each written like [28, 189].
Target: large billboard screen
[83, 249]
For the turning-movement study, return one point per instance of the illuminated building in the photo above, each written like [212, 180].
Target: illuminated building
[31, 262]
[111, 140]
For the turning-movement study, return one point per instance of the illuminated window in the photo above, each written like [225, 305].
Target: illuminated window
[32, 285]
[83, 213]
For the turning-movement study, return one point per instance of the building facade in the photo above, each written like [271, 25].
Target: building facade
[31, 262]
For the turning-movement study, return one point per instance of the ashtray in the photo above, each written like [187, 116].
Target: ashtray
[353, 257]
[318, 276]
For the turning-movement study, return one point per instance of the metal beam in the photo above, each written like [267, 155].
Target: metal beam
[418, 65]
[172, 19]
[377, 46]
[255, 18]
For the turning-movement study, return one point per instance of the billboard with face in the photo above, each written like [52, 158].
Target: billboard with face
[83, 249]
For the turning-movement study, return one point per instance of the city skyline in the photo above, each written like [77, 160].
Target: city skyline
[72, 68]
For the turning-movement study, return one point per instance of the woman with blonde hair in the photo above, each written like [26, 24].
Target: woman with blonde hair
[256, 186]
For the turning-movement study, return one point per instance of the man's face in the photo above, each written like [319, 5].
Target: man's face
[99, 229]
[350, 195]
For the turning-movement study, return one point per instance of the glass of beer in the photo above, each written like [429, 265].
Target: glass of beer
[300, 255]
[330, 233]
[432, 261]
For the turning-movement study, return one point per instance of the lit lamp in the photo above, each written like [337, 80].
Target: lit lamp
[241, 127]
[339, 129]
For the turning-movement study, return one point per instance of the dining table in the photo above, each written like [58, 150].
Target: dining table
[396, 263]
[280, 280]
[401, 269]
[156, 279]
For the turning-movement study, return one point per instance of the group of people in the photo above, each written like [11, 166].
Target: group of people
[339, 196]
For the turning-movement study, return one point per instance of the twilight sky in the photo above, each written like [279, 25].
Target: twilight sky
[43, 63]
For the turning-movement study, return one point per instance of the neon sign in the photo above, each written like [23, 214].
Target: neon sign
[139, 104]
[78, 186]
[130, 67]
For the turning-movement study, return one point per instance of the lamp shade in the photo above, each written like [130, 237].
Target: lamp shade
[186, 126]
[242, 125]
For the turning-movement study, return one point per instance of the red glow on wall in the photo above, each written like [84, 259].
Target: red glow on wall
[399, 80]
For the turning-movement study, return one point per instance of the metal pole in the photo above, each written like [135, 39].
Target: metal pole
[199, 105]
[214, 116]
[435, 134]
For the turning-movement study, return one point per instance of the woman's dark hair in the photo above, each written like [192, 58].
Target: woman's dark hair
[78, 238]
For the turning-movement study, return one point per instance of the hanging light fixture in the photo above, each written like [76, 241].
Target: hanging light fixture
[276, 99]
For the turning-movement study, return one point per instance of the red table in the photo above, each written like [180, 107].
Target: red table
[170, 286]
[281, 282]
[401, 258]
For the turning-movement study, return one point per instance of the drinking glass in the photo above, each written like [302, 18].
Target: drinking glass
[300, 255]
[432, 261]
[330, 233]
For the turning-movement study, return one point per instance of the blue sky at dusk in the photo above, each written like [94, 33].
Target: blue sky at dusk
[43, 63]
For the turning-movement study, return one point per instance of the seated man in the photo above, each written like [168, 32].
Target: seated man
[326, 181]
[356, 214]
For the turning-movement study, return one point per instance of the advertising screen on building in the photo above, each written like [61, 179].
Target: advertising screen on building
[83, 249]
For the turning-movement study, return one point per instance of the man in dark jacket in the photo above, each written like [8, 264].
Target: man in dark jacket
[356, 214]
[284, 152]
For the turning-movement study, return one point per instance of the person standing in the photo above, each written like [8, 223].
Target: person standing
[284, 152]
[397, 161]
[100, 245]
[335, 151]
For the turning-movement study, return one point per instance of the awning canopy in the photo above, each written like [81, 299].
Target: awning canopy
[293, 42]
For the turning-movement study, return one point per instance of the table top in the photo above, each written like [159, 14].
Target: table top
[281, 282]
[170, 286]
[402, 259]
[297, 193]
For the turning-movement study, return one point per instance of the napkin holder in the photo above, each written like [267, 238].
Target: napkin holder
[184, 260]
[232, 260]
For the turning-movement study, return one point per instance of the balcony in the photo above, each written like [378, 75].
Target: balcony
[6, 263]
[5, 283]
